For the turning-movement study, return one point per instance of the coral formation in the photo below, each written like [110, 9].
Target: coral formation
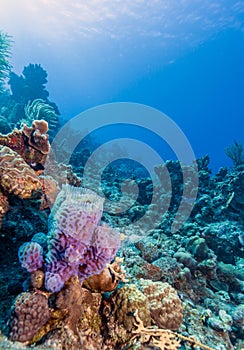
[191, 281]
[50, 190]
[29, 313]
[70, 301]
[108, 279]
[80, 307]
[77, 245]
[15, 175]
[28, 98]
[164, 303]
[128, 299]
[163, 339]
[31, 256]
[36, 135]
[31, 143]
[40, 110]
[23, 154]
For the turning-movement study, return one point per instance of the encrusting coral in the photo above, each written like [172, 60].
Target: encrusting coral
[31, 143]
[23, 154]
[16, 177]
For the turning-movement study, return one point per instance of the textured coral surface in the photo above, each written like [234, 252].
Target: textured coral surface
[16, 177]
[29, 313]
[180, 290]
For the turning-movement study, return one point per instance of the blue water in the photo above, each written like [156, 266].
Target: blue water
[184, 58]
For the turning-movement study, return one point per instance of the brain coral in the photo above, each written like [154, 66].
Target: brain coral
[165, 305]
[16, 177]
[29, 313]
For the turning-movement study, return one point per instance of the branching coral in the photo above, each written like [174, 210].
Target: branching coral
[161, 338]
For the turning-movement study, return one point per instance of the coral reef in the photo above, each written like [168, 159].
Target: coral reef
[179, 290]
[23, 154]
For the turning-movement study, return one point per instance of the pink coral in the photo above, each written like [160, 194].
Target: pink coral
[31, 256]
[76, 243]
[29, 313]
